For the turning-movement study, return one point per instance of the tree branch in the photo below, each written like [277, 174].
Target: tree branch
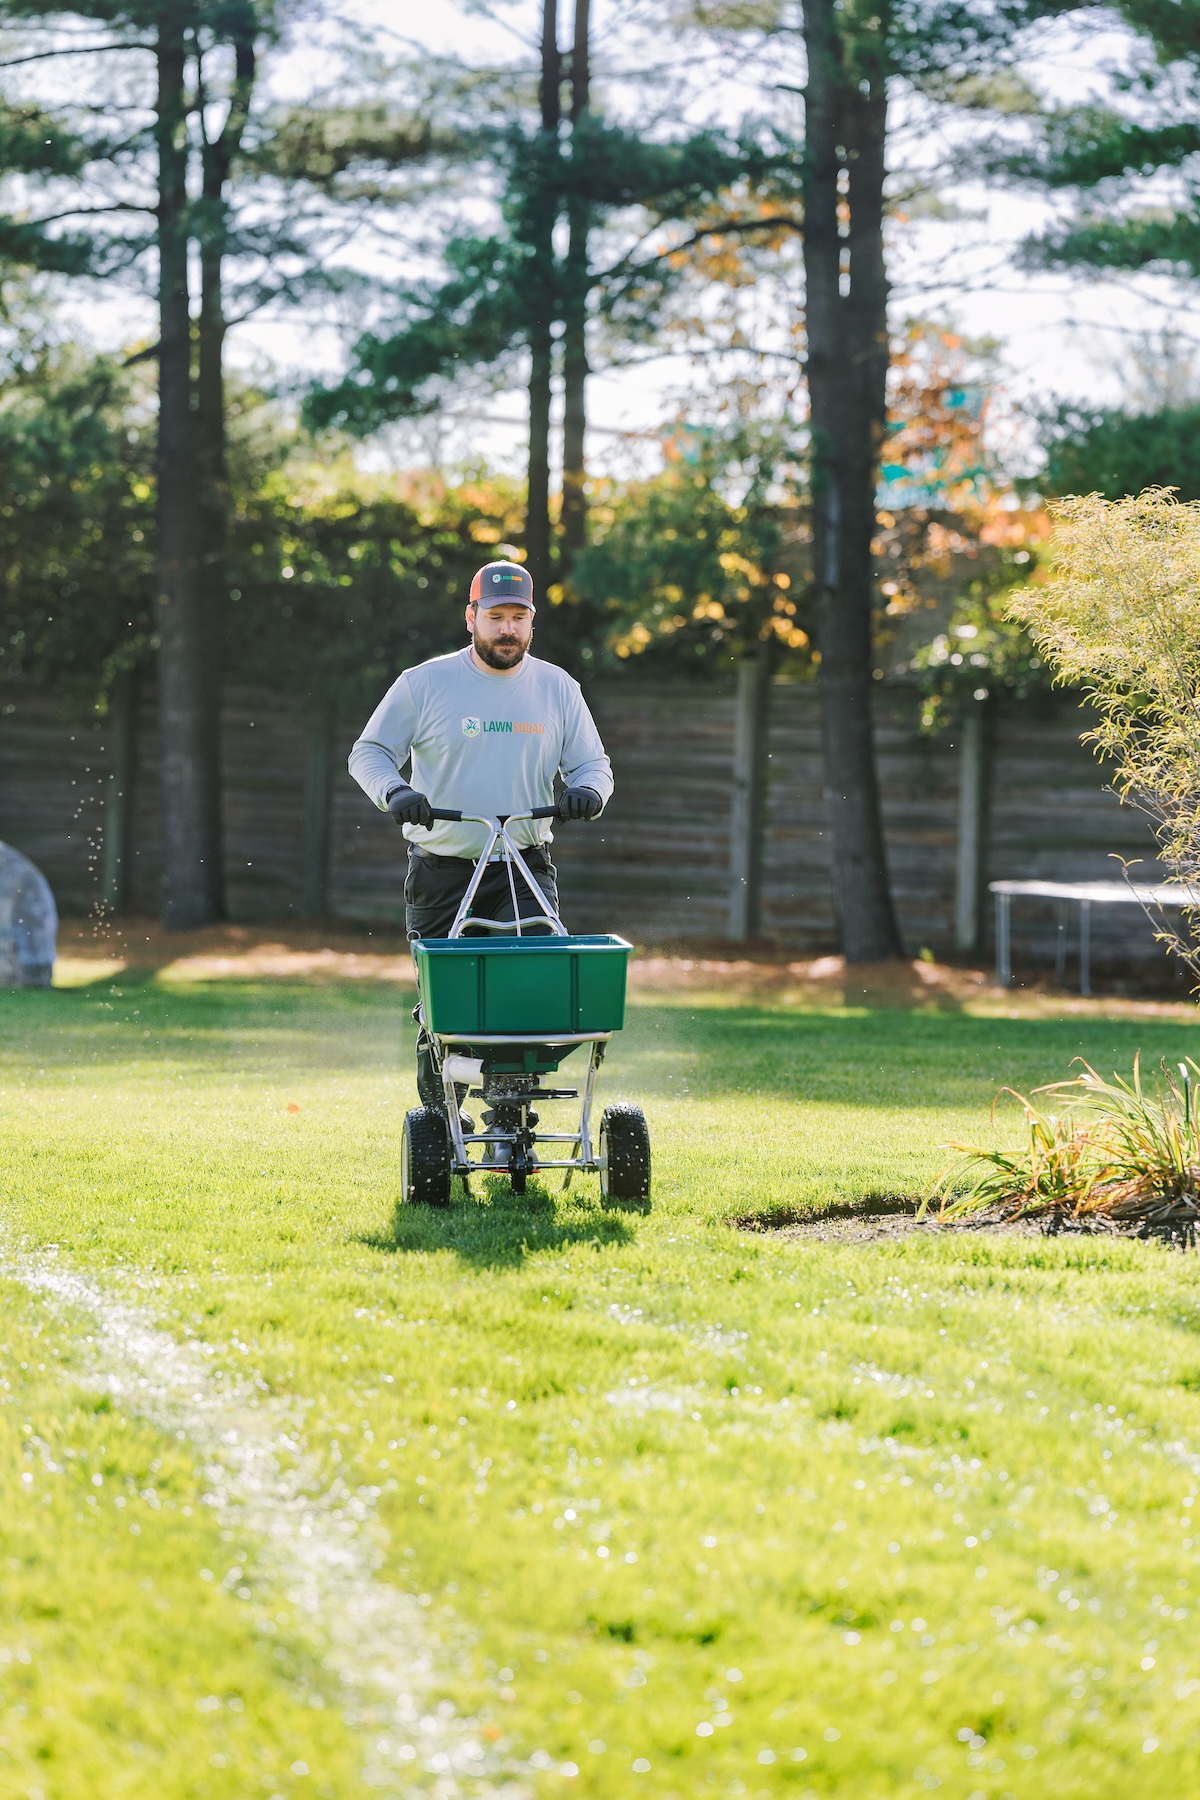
[18, 62]
[88, 212]
[625, 267]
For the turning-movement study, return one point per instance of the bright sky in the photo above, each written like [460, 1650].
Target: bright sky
[1060, 336]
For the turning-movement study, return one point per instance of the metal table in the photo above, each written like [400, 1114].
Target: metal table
[1084, 894]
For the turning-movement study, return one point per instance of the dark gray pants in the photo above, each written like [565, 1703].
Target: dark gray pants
[435, 886]
[433, 892]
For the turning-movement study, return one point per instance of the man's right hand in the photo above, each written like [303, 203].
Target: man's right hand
[408, 807]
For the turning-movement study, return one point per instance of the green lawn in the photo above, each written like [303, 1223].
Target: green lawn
[630, 1504]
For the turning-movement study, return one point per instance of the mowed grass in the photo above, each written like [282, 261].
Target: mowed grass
[688, 1510]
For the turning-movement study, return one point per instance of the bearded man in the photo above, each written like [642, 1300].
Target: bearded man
[487, 730]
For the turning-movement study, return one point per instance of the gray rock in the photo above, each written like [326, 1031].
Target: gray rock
[28, 922]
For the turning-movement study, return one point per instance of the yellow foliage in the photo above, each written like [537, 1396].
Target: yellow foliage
[733, 564]
[1120, 614]
[787, 633]
[634, 641]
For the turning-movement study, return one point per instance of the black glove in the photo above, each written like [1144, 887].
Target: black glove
[579, 803]
[408, 807]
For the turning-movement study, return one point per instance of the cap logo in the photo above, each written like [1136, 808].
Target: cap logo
[502, 581]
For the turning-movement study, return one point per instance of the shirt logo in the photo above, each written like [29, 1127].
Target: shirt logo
[526, 727]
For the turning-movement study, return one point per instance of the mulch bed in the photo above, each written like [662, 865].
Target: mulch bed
[888, 1218]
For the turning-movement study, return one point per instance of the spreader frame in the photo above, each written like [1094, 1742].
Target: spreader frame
[520, 1140]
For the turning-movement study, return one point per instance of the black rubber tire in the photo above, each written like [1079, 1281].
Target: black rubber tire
[624, 1154]
[425, 1158]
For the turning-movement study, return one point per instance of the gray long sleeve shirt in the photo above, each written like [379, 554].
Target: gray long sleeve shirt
[481, 743]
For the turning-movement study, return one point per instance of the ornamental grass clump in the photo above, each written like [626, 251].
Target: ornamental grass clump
[1113, 1155]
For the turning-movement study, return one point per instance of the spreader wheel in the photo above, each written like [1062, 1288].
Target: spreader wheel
[624, 1154]
[425, 1158]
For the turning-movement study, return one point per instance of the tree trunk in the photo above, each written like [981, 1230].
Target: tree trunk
[971, 872]
[318, 797]
[544, 209]
[846, 325]
[191, 835]
[750, 756]
[212, 478]
[575, 292]
[121, 733]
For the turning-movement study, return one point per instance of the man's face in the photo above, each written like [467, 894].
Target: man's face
[500, 634]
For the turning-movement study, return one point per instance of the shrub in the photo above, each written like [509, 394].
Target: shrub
[1121, 618]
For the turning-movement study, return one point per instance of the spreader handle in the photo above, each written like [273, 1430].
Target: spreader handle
[455, 818]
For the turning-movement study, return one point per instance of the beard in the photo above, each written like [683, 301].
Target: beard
[499, 653]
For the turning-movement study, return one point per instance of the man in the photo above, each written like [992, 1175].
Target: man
[487, 728]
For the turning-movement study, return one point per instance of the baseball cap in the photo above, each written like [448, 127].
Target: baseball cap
[502, 584]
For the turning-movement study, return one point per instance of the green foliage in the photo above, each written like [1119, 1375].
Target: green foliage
[1113, 155]
[982, 654]
[479, 316]
[339, 581]
[1115, 453]
[76, 520]
[36, 144]
[473, 322]
[1083, 145]
[1096, 241]
[942, 43]
[694, 568]
[322, 145]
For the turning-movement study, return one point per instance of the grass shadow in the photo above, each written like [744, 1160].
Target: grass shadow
[868, 1206]
[497, 1229]
[136, 1021]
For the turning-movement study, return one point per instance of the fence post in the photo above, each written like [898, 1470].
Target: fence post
[318, 789]
[117, 867]
[749, 792]
[972, 811]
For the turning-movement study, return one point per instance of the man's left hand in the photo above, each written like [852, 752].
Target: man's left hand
[579, 803]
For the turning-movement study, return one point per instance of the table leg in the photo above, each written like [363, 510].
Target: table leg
[1003, 941]
[1085, 947]
[1060, 947]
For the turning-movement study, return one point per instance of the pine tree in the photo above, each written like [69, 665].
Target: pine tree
[196, 65]
[210, 223]
[36, 144]
[503, 294]
[854, 53]
[178, 41]
[576, 269]
[1112, 157]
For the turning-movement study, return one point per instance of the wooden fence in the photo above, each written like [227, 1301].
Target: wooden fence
[692, 846]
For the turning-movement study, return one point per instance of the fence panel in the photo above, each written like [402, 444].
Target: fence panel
[658, 864]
